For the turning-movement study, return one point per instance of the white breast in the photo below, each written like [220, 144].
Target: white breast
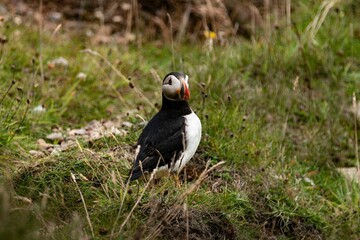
[193, 137]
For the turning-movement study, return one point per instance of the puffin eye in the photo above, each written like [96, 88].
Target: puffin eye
[170, 81]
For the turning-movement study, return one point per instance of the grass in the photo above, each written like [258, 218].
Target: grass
[276, 112]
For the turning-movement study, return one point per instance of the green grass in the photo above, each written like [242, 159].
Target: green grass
[273, 136]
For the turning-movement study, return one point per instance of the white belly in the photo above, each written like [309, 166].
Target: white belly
[193, 137]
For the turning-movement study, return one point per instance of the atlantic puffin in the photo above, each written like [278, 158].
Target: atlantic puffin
[171, 137]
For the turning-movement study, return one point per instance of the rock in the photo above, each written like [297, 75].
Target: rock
[116, 131]
[94, 124]
[56, 151]
[71, 138]
[126, 124]
[80, 131]
[36, 153]
[55, 16]
[44, 145]
[109, 124]
[94, 135]
[352, 174]
[67, 144]
[94, 130]
[55, 136]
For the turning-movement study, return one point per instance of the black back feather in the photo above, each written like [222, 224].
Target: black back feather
[162, 140]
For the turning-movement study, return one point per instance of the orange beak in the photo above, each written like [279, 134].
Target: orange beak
[185, 93]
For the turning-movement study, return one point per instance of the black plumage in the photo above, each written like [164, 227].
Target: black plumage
[163, 139]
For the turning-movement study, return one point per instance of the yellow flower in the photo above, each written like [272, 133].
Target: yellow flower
[209, 34]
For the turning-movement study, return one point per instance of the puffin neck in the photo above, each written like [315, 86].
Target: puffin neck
[175, 106]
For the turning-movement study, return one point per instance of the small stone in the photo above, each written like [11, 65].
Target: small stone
[108, 124]
[56, 151]
[43, 145]
[126, 124]
[55, 16]
[67, 144]
[71, 138]
[55, 136]
[94, 124]
[36, 153]
[116, 131]
[33, 152]
[80, 131]
[95, 135]
[351, 174]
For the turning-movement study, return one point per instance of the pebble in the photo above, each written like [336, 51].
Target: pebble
[126, 124]
[56, 151]
[108, 124]
[36, 153]
[55, 136]
[44, 145]
[80, 131]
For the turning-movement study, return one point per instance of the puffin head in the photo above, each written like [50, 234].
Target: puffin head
[175, 86]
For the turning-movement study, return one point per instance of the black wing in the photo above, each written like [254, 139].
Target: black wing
[161, 142]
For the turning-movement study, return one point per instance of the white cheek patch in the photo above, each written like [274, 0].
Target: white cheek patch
[171, 92]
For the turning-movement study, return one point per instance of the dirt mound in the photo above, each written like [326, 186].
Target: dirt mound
[197, 224]
[203, 224]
